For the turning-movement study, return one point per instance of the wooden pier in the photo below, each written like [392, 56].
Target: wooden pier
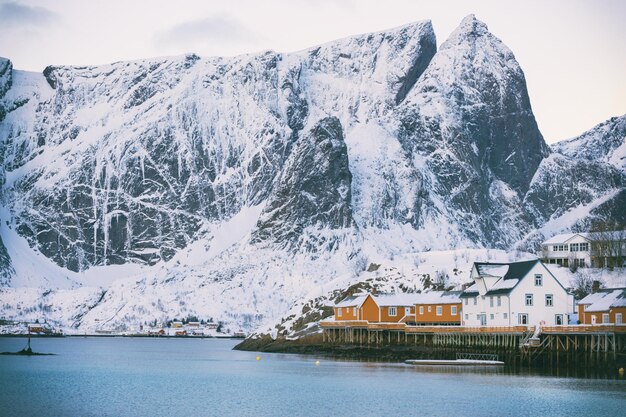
[523, 344]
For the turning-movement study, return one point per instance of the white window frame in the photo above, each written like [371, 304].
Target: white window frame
[476, 300]
[527, 298]
[499, 301]
[549, 300]
[538, 280]
[605, 318]
[421, 310]
[354, 311]
[453, 310]
[466, 316]
[392, 311]
[491, 316]
[618, 319]
[439, 310]
[491, 301]
[339, 312]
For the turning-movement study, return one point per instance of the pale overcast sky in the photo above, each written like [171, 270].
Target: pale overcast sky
[573, 52]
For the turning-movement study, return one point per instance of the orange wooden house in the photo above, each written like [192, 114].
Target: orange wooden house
[441, 308]
[606, 306]
[358, 307]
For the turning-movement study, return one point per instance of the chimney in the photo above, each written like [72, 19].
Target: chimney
[595, 286]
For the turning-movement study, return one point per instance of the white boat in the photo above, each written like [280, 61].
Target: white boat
[455, 362]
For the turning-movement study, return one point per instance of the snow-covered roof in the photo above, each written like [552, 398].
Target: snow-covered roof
[605, 299]
[504, 284]
[510, 275]
[439, 297]
[492, 270]
[352, 301]
[564, 237]
[402, 299]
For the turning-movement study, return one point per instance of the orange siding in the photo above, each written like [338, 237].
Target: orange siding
[387, 318]
[432, 317]
[586, 317]
[347, 313]
[369, 310]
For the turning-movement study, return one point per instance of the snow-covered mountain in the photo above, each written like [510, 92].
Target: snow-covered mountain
[232, 187]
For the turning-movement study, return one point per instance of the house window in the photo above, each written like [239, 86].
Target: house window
[453, 310]
[499, 301]
[580, 262]
[482, 297]
[421, 309]
[392, 311]
[573, 247]
[429, 309]
[475, 300]
[491, 317]
[618, 318]
[538, 280]
[549, 300]
[491, 301]
[584, 247]
[466, 316]
[466, 301]
[529, 299]
[354, 311]
[505, 315]
[407, 311]
[439, 310]
[605, 318]
[339, 312]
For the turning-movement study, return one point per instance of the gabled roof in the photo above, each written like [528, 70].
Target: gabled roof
[605, 299]
[353, 301]
[509, 278]
[564, 237]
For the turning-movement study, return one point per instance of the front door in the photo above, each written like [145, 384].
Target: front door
[593, 319]
[522, 318]
[558, 319]
[483, 319]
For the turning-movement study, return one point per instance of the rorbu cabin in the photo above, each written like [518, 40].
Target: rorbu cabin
[396, 308]
[606, 306]
[438, 308]
[357, 307]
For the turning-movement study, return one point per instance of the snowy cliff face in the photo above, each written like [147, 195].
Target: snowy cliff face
[605, 142]
[127, 162]
[231, 187]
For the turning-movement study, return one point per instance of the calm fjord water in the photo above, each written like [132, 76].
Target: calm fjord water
[191, 377]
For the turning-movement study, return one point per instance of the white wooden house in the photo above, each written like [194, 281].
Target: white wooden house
[516, 293]
[596, 249]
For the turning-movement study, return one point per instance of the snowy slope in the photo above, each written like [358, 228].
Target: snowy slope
[232, 188]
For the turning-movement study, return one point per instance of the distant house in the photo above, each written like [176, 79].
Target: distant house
[516, 293]
[395, 307]
[177, 324]
[438, 308]
[38, 328]
[596, 249]
[357, 307]
[193, 324]
[606, 306]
